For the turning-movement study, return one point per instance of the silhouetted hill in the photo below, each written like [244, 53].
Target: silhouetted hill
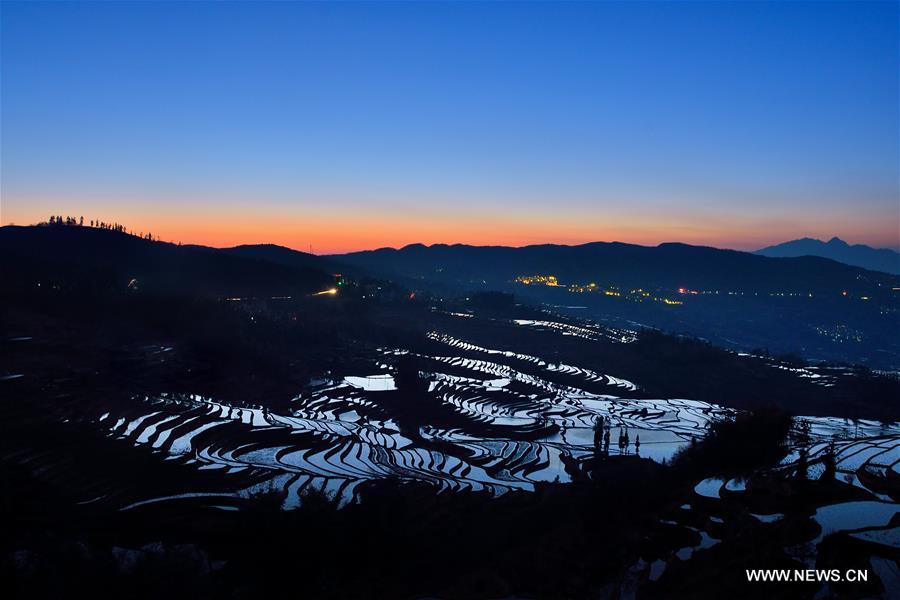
[859, 255]
[285, 256]
[91, 258]
[665, 266]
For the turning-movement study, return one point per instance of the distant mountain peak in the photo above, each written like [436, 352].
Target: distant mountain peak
[857, 255]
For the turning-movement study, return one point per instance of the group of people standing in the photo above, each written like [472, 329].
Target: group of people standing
[602, 435]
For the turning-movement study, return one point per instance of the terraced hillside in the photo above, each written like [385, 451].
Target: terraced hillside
[483, 404]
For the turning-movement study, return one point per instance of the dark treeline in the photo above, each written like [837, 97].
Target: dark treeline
[741, 445]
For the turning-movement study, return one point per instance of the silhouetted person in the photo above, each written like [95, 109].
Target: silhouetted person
[829, 462]
[407, 378]
[598, 432]
[802, 465]
[802, 435]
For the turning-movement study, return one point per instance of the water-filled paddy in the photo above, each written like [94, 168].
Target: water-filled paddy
[504, 421]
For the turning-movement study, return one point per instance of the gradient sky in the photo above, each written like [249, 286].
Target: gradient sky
[351, 126]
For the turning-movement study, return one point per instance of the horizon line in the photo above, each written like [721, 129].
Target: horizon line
[127, 231]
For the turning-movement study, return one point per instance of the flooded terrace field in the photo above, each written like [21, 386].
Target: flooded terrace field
[497, 421]
[494, 409]
[480, 419]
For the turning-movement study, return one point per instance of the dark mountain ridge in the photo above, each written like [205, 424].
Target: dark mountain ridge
[87, 257]
[859, 255]
[288, 257]
[669, 265]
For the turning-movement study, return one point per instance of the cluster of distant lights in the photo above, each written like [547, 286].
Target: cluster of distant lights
[684, 291]
[640, 295]
[840, 333]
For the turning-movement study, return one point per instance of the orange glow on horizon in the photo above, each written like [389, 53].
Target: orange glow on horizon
[354, 231]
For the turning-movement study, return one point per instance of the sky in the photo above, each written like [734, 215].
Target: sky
[334, 127]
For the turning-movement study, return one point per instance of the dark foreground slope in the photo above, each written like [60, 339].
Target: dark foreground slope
[91, 258]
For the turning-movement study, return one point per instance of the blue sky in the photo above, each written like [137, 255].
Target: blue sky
[733, 124]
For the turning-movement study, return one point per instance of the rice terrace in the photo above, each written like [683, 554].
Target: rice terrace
[450, 300]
